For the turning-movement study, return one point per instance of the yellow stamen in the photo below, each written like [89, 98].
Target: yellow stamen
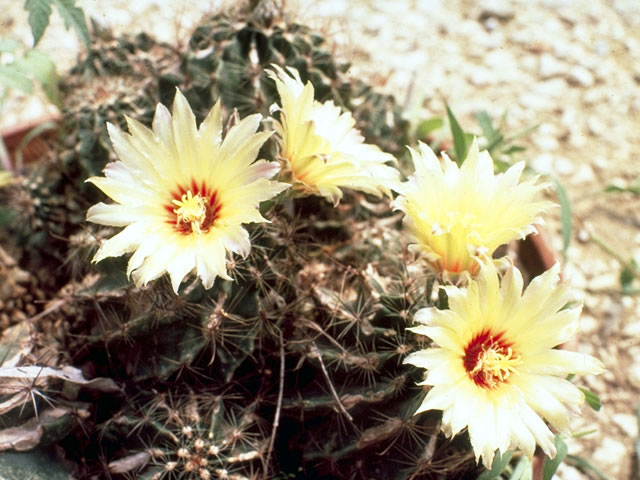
[496, 364]
[191, 210]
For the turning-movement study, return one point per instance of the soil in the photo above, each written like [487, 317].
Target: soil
[570, 67]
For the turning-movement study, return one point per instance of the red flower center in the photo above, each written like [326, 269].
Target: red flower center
[193, 209]
[490, 360]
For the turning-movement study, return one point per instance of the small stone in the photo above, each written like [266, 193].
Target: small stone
[634, 374]
[543, 164]
[588, 324]
[536, 102]
[584, 174]
[627, 422]
[564, 166]
[500, 59]
[595, 126]
[632, 330]
[552, 88]
[567, 472]
[545, 143]
[498, 9]
[574, 276]
[550, 66]
[583, 236]
[601, 48]
[609, 454]
[482, 76]
[580, 76]
[491, 23]
[600, 163]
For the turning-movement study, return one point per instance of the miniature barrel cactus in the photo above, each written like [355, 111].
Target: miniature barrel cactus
[243, 317]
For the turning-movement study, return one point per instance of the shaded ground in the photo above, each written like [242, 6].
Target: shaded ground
[572, 67]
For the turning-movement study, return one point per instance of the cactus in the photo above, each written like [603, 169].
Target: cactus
[293, 369]
[228, 57]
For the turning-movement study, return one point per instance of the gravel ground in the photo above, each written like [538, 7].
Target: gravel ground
[573, 67]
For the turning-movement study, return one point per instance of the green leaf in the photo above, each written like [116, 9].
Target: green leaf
[39, 13]
[514, 149]
[633, 187]
[523, 470]
[40, 65]
[498, 465]
[584, 466]
[459, 142]
[37, 63]
[552, 464]
[74, 17]
[427, 126]
[484, 120]
[565, 216]
[638, 439]
[522, 133]
[12, 76]
[8, 45]
[626, 279]
[591, 398]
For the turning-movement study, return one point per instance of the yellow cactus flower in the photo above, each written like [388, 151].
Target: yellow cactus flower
[321, 149]
[182, 193]
[6, 178]
[495, 370]
[457, 213]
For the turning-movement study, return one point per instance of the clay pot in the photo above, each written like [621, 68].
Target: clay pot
[31, 138]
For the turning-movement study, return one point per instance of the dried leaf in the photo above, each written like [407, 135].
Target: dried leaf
[130, 462]
[15, 344]
[16, 400]
[28, 435]
[21, 438]
[69, 374]
[380, 432]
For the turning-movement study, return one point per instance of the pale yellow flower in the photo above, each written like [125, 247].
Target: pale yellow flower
[321, 149]
[456, 213]
[182, 193]
[495, 370]
[6, 178]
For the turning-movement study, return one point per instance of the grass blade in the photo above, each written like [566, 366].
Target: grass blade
[498, 466]
[565, 216]
[552, 464]
[459, 141]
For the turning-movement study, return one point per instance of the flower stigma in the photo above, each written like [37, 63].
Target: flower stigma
[191, 211]
[489, 361]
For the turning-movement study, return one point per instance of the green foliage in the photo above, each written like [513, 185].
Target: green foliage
[637, 441]
[585, 466]
[552, 464]
[501, 146]
[29, 65]
[565, 218]
[499, 465]
[460, 145]
[632, 187]
[592, 399]
[40, 11]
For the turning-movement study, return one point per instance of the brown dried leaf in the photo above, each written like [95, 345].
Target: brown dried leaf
[28, 435]
[68, 373]
[14, 401]
[380, 432]
[15, 344]
[130, 462]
